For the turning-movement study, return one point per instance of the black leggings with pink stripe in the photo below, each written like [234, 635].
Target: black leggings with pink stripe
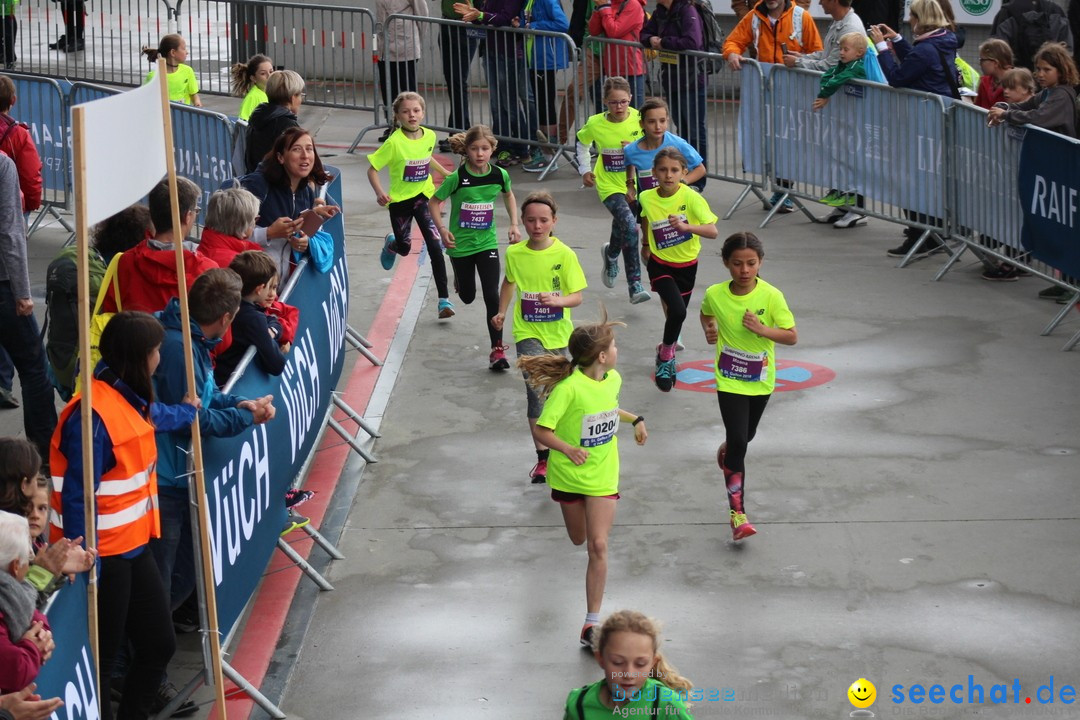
[402, 214]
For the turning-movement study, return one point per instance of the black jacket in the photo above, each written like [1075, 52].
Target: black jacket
[265, 126]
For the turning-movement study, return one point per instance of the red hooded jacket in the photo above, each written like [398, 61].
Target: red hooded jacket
[620, 20]
[15, 140]
[147, 277]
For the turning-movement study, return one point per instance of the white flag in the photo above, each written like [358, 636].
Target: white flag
[125, 149]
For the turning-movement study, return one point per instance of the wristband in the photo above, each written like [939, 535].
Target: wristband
[639, 418]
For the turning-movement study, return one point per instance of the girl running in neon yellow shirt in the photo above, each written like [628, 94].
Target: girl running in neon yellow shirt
[637, 680]
[610, 132]
[408, 154]
[580, 421]
[544, 277]
[744, 317]
[676, 217]
[183, 85]
[473, 244]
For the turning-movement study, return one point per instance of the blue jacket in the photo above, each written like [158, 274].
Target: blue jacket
[545, 53]
[218, 416]
[920, 64]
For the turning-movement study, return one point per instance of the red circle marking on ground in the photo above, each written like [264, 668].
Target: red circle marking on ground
[698, 375]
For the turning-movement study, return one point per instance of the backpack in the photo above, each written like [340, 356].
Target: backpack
[713, 36]
[60, 330]
[1027, 32]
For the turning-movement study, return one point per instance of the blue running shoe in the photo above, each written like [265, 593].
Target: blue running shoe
[446, 309]
[387, 256]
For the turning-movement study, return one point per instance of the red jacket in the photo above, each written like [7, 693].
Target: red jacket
[148, 277]
[621, 20]
[15, 140]
[20, 660]
[222, 248]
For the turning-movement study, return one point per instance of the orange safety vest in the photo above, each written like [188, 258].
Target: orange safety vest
[127, 497]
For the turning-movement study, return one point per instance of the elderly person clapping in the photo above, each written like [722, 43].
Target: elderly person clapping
[25, 638]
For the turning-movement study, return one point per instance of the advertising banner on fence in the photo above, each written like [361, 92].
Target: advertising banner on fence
[42, 105]
[883, 143]
[247, 475]
[69, 673]
[1050, 199]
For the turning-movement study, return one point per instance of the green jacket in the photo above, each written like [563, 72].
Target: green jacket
[835, 77]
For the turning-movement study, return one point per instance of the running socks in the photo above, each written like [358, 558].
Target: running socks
[734, 482]
[666, 352]
[592, 618]
[542, 455]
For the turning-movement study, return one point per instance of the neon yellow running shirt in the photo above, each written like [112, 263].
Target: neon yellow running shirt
[409, 162]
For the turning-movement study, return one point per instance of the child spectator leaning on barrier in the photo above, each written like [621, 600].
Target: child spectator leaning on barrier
[637, 678]
[1054, 106]
[25, 637]
[183, 85]
[995, 59]
[249, 82]
[254, 326]
[214, 300]
[850, 67]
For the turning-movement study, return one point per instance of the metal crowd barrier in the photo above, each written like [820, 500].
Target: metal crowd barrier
[452, 105]
[329, 46]
[42, 105]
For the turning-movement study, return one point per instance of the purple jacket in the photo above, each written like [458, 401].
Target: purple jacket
[500, 13]
[679, 28]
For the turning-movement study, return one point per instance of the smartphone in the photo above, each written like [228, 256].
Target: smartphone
[312, 222]
[783, 48]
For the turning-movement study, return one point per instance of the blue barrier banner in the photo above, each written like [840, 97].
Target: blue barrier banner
[247, 475]
[884, 143]
[42, 104]
[1050, 198]
[69, 673]
[985, 165]
[752, 120]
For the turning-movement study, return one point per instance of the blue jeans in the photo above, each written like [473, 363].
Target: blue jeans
[20, 337]
[173, 551]
[507, 87]
[624, 236]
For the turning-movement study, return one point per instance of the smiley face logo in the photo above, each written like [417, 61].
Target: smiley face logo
[862, 693]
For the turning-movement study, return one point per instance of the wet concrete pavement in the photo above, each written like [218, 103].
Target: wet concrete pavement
[917, 513]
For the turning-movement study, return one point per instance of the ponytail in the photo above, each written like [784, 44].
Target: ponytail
[545, 371]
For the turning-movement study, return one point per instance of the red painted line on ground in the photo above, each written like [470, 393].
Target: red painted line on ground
[252, 651]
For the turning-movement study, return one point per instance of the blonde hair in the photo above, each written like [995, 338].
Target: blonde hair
[855, 39]
[460, 142]
[585, 345]
[634, 622]
[930, 16]
[406, 96]
[1019, 79]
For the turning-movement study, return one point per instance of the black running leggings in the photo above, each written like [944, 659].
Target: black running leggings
[741, 414]
[402, 215]
[485, 264]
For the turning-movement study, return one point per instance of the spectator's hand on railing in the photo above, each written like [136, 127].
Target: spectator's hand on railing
[791, 59]
[734, 61]
[27, 705]
[655, 41]
[820, 103]
[995, 116]
[299, 241]
[467, 12]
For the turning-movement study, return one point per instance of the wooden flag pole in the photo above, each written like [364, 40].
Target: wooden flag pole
[214, 636]
[86, 372]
